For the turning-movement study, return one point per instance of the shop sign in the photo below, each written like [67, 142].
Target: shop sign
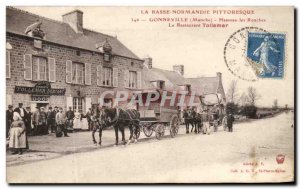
[41, 88]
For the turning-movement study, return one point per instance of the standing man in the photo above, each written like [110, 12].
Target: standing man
[88, 117]
[60, 122]
[55, 112]
[42, 125]
[70, 116]
[28, 121]
[230, 120]
[9, 118]
[51, 120]
[21, 111]
[35, 120]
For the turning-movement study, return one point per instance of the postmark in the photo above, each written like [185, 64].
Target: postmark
[252, 53]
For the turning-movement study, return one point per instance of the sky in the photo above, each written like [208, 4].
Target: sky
[200, 50]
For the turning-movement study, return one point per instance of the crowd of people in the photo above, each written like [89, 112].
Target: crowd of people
[21, 122]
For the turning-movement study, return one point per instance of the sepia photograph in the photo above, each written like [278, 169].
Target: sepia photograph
[150, 94]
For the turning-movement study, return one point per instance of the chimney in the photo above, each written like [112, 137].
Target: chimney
[179, 69]
[75, 20]
[219, 76]
[148, 62]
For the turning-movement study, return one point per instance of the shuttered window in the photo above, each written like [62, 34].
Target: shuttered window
[132, 79]
[52, 72]
[99, 75]
[115, 77]
[39, 68]
[77, 73]
[28, 67]
[68, 71]
[139, 79]
[107, 77]
[7, 64]
[126, 78]
[88, 74]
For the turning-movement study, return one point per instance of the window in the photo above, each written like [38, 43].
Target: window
[7, 64]
[107, 77]
[39, 68]
[132, 79]
[77, 73]
[77, 104]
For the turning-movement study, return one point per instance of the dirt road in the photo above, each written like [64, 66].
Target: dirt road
[246, 155]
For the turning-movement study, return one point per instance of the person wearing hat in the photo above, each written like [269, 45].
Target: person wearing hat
[21, 111]
[28, 120]
[60, 119]
[17, 134]
[35, 120]
[42, 125]
[51, 120]
[9, 118]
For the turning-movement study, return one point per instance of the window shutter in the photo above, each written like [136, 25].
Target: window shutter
[28, 67]
[88, 103]
[87, 74]
[7, 64]
[115, 77]
[126, 78]
[139, 79]
[52, 73]
[68, 71]
[99, 75]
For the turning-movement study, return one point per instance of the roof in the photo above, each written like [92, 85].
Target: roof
[61, 33]
[172, 79]
[204, 85]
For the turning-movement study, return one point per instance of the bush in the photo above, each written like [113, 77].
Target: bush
[249, 111]
[232, 108]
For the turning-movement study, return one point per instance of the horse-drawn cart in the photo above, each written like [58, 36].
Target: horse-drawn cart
[155, 117]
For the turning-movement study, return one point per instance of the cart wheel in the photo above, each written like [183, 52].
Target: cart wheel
[174, 126]
[147, 129]
[159, 131]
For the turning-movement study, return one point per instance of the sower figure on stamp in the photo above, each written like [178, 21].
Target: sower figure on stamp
[230, 120]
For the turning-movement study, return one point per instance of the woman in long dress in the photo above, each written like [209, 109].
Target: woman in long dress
[263, 53]
[17, 135]
[77, 121]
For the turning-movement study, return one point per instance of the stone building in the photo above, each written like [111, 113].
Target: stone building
[174, 80]
[60, 63]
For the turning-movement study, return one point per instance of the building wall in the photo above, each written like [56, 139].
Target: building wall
[24, 45]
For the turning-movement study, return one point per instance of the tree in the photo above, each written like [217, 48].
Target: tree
[243, 99]
[252, 96]
[232, 92]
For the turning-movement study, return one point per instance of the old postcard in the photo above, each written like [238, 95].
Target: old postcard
[150, 94]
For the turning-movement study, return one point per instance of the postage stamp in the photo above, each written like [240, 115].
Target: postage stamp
[266, 53]
[252, 53]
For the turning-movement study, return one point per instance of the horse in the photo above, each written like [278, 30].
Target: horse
[119, 119]
[197, 123]
[190, 118]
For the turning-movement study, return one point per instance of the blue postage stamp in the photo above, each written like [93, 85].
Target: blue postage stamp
[266, 54]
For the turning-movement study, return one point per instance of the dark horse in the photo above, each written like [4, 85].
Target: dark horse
[119, 119]
[192, 117]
